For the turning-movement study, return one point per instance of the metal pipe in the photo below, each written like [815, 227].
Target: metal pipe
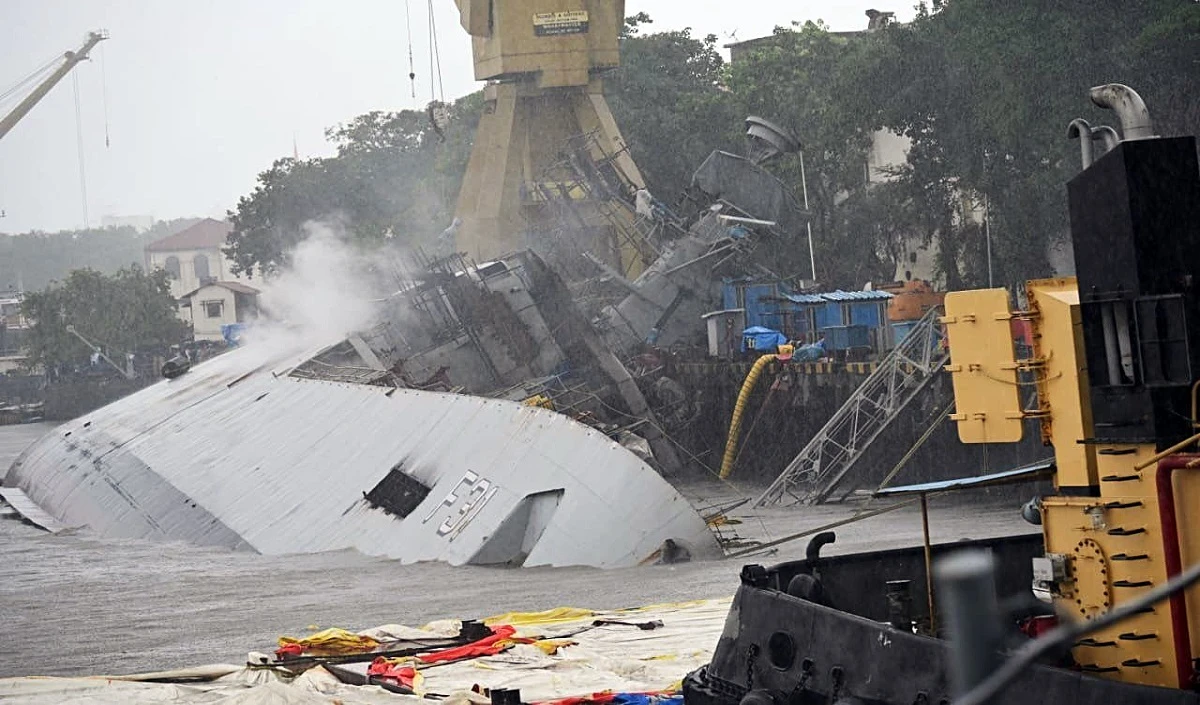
[928, 565]
[1080, 129]
[1107, 136]
[1129, 107]
[1124, 341]
[1195, 421]
[966, 583]
[1169, 451]
[1111, 357]
[1173, 561]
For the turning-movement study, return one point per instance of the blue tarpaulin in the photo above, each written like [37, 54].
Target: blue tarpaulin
[762, 339]
[810, 353]
[232, 333]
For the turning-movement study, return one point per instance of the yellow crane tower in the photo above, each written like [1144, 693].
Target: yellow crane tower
[543, 61]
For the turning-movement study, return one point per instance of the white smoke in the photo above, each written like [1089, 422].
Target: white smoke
[324, 295]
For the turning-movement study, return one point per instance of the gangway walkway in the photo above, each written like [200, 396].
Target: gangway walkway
[835, 449]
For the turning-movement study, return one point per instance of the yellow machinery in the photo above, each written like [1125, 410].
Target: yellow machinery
[1104, 536]
[543, 61]
[1116, 367]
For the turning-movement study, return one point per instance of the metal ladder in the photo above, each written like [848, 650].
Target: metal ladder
[831, 454]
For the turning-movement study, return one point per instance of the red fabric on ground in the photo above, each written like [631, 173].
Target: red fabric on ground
[486, 646]
[289, 650]
[381, 667]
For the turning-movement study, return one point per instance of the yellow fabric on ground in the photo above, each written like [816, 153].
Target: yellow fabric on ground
[558, 615]
[332, 641]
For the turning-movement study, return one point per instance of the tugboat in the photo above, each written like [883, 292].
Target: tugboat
[1116, 365]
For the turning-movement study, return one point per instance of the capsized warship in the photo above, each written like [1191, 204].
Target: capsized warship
[484, 418]
[1101, 606]
[491, 415]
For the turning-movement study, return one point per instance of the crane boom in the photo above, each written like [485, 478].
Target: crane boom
[70, 58]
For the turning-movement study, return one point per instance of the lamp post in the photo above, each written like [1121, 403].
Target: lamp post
[812, 257]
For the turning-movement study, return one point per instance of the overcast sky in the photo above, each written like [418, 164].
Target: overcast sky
[203, 95]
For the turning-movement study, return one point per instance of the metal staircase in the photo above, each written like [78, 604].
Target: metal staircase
[831, 454]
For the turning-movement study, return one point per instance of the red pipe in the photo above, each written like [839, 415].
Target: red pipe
[1174, 561]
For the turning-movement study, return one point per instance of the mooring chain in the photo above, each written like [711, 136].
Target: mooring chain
[839, 679]
[751, 654]
[806, 673]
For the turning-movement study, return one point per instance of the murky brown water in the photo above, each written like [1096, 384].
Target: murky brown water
[78, 604]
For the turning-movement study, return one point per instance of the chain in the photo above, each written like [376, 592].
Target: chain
[751, 654]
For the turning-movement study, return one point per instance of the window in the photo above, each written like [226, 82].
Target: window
[214, 309]
[200, 265]
[172, 266]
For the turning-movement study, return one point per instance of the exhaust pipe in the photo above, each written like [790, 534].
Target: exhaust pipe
[1129, 107]
[1107, 136]
[1079, 129]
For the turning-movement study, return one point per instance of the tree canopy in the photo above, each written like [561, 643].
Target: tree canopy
[983, 90]
[126, 312]
[394, 176]
[32, 260]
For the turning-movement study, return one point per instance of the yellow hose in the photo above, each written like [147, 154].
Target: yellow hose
[735, 424]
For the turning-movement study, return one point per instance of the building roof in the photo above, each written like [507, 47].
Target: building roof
[235, 287]
[206, 233]
[871, 295]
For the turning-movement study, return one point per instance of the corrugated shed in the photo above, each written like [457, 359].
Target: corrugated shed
[805, 298]
[237, 453]
[873, 295]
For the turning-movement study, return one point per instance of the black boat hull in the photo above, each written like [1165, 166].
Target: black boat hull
[779, 649]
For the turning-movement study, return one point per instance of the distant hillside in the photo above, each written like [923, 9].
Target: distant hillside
[32, 260]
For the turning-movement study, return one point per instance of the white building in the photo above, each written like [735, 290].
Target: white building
[220, 303]
[193, 256]
[202, 278]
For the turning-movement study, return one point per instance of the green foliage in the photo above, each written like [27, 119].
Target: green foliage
[35, 259]
[121, 313]
[394, 176]
[807, 80]
[669, 100]
[984, 90]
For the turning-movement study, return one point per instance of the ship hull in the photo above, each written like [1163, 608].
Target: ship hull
[238, 453]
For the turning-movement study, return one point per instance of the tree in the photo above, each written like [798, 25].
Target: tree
[394, 176]
[122, 313]
[809, 80]
[984, 91]
[32, 260]
[670, 103]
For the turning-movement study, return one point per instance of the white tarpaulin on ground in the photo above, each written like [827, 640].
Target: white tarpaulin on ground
[614, 655]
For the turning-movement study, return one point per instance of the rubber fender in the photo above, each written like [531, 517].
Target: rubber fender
[760, 697]
[806, 587]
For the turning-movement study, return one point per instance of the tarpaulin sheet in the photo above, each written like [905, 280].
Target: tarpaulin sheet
[616, 657]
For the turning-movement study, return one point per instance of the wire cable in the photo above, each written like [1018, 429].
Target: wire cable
[1069, 634]
[104, 93]
[34, 76]
[412, 72]
[79, 145]
[435, 60]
